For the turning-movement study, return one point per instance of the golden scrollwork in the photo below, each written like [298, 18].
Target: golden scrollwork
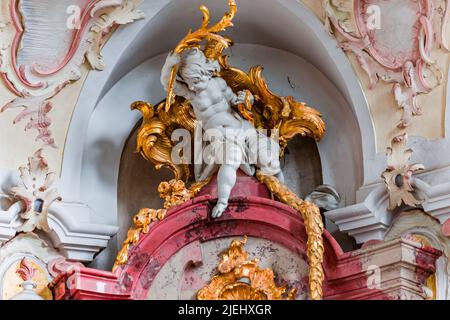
[141, 225]
[271, 111]
[173, 193]
[242, 279]
[314, 230]
[153, 140]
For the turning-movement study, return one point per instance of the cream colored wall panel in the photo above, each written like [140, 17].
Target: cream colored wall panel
[18, 144]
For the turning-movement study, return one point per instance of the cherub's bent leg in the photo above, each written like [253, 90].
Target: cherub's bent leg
[226, 178]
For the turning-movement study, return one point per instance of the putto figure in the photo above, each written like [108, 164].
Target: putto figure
[233, 142]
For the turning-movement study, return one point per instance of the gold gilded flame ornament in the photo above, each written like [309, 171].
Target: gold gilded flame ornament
[241, 279]
[210, 34]
[314, 230]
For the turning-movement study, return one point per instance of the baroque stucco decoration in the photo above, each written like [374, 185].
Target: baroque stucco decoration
[394, 50]
[26, 64]
[398, 50]
[37, 207]
[36, 192]
[397, 177]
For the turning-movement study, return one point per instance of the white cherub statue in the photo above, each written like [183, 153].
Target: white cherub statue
[233, 141]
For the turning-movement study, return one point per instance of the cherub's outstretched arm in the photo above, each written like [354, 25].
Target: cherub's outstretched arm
[179, 88]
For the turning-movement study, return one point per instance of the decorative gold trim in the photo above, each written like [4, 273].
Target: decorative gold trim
[314, 230]
[174, 193]
[242, 279]
[141, 223]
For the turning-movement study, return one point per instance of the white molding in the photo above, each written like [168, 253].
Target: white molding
[436, 199]
[72, 233]
[367, 220]
[9, 222]
[370, 219]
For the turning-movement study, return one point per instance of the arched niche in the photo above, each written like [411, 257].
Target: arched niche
[102, 122]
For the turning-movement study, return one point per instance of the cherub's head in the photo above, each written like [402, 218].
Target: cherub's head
[196, 70]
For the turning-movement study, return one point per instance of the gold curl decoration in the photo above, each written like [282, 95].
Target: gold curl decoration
[173, 193]
[314, 230]
[154, 142]
[235, 266]
[210, 34]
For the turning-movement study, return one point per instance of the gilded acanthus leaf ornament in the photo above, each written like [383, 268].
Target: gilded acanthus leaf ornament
[397, 176]
[314, 230]
[233, 268]
[173, 193]
[36, 192]
[270, 111]
[154, 137]
[141, 225]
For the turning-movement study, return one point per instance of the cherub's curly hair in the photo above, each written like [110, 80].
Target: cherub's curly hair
[194, 62]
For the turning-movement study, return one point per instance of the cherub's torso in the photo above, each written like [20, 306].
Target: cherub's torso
[212, 107]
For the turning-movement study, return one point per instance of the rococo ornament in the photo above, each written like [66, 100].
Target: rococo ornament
[36, 193]
[241, 279]
[373, 32]
[397, 176]
[35, 82]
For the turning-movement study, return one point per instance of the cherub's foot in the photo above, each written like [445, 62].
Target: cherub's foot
[219, 209]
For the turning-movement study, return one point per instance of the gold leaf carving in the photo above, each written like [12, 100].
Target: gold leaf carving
[314, 230]
[174, 193]
[242, 279]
